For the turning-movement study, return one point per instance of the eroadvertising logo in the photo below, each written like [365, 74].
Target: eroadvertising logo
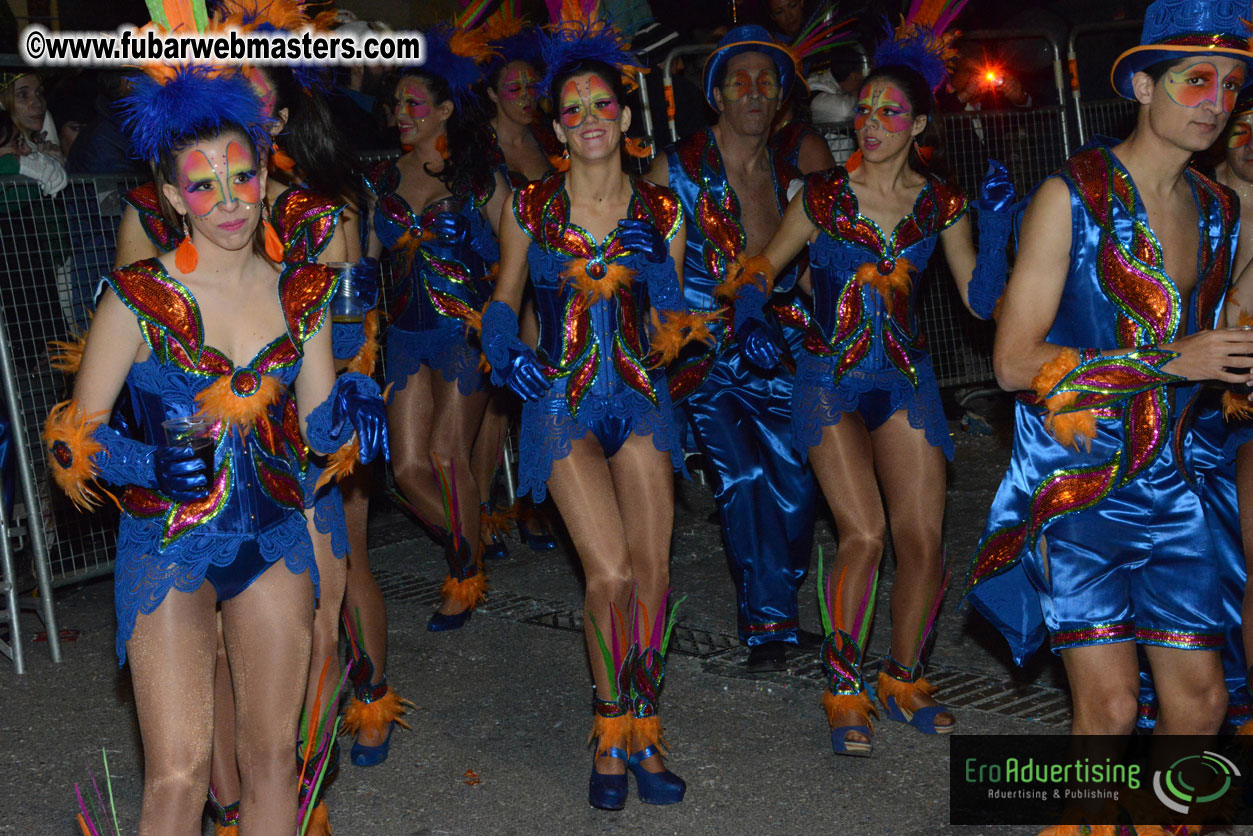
[1052, 779]
[1174, 787]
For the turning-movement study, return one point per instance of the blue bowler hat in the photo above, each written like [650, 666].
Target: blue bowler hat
[1175, 29]
[749, 38]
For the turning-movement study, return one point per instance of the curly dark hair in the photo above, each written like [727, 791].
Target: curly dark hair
[471, 148]
[312, 140]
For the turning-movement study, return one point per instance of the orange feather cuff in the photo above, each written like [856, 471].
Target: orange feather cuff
[68, 437]
[756, 270]
[1069, 428]
[674, 329]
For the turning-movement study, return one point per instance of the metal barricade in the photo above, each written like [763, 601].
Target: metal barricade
[1104, 115]
[55, 252]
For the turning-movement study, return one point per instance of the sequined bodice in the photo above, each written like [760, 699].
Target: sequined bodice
[850, 312]
[436, 285]
[258, 446]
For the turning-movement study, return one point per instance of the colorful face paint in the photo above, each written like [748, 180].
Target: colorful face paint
[517, 83]
[264, 90]
[413, 100]
[586, 94]
[741, 83]
[886, 105]
[1198, 84]
[1241, 131]
[208, 179]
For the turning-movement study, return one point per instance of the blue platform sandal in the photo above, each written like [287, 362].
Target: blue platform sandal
[611, 729]
[898, 686]
[655, 787]
[846, 694]
[608, 792]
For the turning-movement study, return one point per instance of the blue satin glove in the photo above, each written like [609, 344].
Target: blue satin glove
[513, 362]
[759, 344]
[365, 282]
[180, 473]
[996, 192]
[644, 238]
[360, 405]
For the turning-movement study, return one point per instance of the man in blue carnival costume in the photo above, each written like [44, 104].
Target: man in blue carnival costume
[1097, 534]
[733, 188]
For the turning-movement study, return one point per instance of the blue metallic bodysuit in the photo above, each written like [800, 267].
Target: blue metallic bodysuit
[254, 513]
[594, 350]
[437, 286]
[863, 350]
[1129, 551]
[741, 417]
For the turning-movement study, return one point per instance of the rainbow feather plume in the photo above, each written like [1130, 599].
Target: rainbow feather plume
[578, 33]
[924, 629]
[184, 17]
[831, 603]
[94, 810]
[447, 480]
[922, 40]
[821, 34]
[321, 727]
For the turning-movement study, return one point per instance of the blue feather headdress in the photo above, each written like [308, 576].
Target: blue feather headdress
[922, 40]
[170, 103]
[161, 114]
[281, 17]
[579, 34]
[457, 54]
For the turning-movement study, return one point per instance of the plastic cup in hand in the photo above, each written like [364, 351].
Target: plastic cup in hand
[345, 306]
[195, 432]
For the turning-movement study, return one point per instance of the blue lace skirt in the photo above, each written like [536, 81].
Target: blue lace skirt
[144, 573]
[548, 429]
[816, 403]
[328, 511]
[444, 349]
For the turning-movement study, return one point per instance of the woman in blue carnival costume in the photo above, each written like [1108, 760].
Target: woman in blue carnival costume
[865, 402]
[526, 150]
[597, 425]
[436, 209]
[185, 523]
[304, 165]
[1098, 537]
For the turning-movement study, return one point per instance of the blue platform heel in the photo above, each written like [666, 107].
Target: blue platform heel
[611, 729]
[372, 707]
[846, 694]
[465, 584]
[655, 787]
[898, 686]
[493, 525]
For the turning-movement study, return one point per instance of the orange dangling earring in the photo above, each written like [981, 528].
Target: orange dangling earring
[441, 145]
[561, 163]
[273, 246]
[185, 257]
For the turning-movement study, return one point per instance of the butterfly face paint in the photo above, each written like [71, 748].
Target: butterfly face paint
[586, 94]
[413, 100]
[517, 82]
[1199, 83]
[741, 83]
[1241, 131]
[208, 179]
[885, 105]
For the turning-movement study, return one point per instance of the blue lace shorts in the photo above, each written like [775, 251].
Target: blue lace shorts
[444, 349]
[875, 395]
[548, 429]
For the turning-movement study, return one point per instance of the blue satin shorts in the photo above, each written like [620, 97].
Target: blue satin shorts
[1139, 566]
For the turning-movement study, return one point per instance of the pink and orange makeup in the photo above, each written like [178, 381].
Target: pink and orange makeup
[1241, 131]
[741, 83]
[413, 100]
[587, 94]
[208, 180]
[1199, 83]
[886, 105]
[517, 82]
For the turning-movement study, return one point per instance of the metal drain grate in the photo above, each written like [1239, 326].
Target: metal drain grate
[690, 641]
[723, 655]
